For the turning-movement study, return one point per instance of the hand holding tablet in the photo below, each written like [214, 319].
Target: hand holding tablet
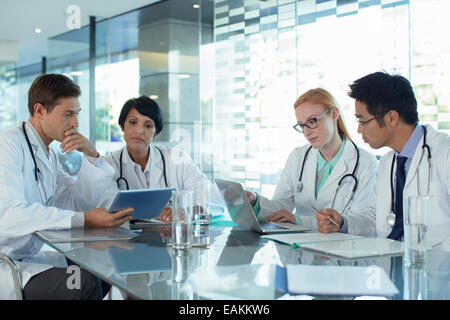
[147, 203]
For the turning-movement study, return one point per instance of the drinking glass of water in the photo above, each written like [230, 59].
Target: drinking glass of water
[202, 198]
[182, 202]
[415, 227]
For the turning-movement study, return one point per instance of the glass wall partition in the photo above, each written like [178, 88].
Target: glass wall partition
[14, 84]
[116, 76]
[227, 72]
[68, 54]
[9, 95]
[267, 53]
[430, 66]
[155, 52]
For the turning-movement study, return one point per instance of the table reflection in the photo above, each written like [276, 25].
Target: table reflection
[231, 263]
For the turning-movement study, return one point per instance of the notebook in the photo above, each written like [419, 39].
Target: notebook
[147, 223]
[300, 239]
[358, 248]
[85, 235]
[341, 281]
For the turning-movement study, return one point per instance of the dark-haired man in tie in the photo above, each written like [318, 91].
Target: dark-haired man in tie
[386, 111]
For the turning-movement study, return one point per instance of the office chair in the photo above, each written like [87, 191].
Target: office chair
[15, 275]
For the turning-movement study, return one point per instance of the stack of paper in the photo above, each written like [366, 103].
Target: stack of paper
[299, 239]
[342, 281]
[84, 235]
[358, 248]
[341, 244]
[148, 223]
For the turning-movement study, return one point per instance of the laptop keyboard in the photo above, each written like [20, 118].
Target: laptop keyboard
[271, 226]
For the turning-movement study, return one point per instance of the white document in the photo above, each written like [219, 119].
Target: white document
[358, 248]
[148, 223]
[298, 239]
[340, 281]
[85, 235]
[246, 281]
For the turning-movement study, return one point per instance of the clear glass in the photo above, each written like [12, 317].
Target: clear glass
[68, 54]
[182, 219]
[201, 236]
[262, 47]
[416, 214]
[8, 95]
[181, 265]
[415, 283]
[213, 71]
[427, 73]
[202, 200]
[116, 77]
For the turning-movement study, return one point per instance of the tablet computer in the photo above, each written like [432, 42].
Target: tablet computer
[147, 203]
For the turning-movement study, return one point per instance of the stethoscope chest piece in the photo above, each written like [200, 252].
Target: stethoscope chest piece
[300, 186]
[391, 219]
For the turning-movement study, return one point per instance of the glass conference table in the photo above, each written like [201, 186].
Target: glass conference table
[237, 264]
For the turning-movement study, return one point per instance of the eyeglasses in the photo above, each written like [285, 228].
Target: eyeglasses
[363, 123]
[311, 123]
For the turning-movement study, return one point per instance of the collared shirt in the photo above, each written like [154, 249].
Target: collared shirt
[78, 218]
[325, 167]
[143, 176]
[409, 149]
[39, 139]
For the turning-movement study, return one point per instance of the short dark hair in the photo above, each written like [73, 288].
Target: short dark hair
[383, 92]
[48, 88]
[145, 106]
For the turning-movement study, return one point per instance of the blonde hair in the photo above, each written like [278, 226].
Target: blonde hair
[324, 98]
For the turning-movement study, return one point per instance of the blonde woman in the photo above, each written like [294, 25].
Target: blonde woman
[328, 172]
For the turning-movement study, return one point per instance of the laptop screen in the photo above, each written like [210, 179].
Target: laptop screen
[239, 207]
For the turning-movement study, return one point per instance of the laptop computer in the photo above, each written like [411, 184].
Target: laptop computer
[242, 214]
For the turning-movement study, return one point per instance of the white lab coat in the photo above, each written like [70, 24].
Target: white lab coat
[21, 209]
[181, 173]
[439, 215]
[287, 197]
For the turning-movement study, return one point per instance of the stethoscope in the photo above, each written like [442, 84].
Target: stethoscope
[391, 216]
[121, 178]
[348, 175]
[37, 172]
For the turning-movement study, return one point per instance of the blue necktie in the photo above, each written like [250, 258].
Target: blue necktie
[400, 178]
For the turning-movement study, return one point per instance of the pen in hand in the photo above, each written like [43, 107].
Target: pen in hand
[329, 218]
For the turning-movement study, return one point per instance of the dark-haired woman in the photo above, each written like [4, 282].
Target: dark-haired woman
[145, 165]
